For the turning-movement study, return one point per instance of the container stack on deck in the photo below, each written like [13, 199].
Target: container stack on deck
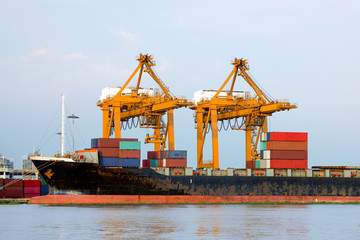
[32, 188]
[283, 150]
[12, 188]
[116, 152]
[170, 158]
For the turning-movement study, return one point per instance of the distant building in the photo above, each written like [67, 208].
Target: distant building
[6, 166]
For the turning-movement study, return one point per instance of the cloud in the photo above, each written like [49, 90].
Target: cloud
[75, 55]
[34, 54]
[131, 37]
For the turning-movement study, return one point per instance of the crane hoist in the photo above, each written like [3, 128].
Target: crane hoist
[226, 105]
[147, 106]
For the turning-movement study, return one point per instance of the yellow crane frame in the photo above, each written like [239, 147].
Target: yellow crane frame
[123, 107]
[253, 109]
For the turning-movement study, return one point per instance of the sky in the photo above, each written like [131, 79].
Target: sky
[304, 51]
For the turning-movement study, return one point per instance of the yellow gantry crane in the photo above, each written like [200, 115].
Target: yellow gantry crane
[148, 107]
[226, 105]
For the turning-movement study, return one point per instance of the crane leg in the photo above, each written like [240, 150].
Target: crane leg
[199, 116]
[105, 112]
[170, 115]
[248, 145]
[215, 143]
[117, 121]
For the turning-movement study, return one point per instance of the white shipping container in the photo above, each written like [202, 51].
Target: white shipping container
[263, 137]
[266, 154]
[110, 92]
[207, 95]
[264, 163]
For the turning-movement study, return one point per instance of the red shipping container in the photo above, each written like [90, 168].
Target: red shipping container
[287, 145]
[294, 164]
[129, 153]
[288, 155]
[109, 152]
[31, 189]
[32, 183]
[2, 193]
[174, 162]
[13, 192]
[288, 136]
[153, 154]
[250, 164]
[30, 195]
[112, 142]
[1, 182]
[13, 182]
[145, 163]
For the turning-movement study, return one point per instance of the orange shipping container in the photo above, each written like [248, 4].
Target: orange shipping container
[129, 153]
[287, 145]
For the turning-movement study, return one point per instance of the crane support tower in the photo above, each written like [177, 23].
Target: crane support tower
[226, 105]
[146, 106]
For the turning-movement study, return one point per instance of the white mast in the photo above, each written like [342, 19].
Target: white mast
[62, 124]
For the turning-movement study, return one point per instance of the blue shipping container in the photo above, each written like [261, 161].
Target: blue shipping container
[110, 162]
[130, 162]
[174, 154]
[44, 190]
[94, 143]
[261, 154]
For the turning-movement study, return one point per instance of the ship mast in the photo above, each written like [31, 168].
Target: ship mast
[62, 124]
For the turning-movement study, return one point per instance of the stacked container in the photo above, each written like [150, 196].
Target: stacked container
[170, 158]
[283, 150]
[117, 152]
[32, 188]
[44, 189]
[11, 188]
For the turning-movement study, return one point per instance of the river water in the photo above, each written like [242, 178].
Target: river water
[243, 221]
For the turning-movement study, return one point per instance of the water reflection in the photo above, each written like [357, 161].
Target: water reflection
[179, 222]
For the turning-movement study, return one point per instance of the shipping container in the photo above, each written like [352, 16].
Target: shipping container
[108, 152]
[32, 189]
[112, 142]
[287, 145]
[44, 190]
[171, 162]
[285, 154]
[257, 164]
[109, 162]
[265, 163]
[145, 163]
[130, 145]
[129, 162]
[94, 143]
[1, 182]
[43, 182]
[154, 162]
[250, 164]
[129, 153]
[263, 146]
[288, 136]
[13, 192]
[13, 183]
[30, 195]
[153, 155]
[294, 164]
[174, 154]
[263, 137]
[32, 183]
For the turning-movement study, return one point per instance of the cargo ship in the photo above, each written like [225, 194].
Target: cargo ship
[111, 168]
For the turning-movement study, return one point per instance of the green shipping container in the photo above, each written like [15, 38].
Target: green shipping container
[257, 164]
[43, 182]
[263, 146]
[127, 145]
[154, 162]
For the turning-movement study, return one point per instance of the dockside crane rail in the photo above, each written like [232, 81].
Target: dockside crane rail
[148, 107]
[253, 110]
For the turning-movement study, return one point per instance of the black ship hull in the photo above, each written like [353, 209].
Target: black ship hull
[93, 179]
